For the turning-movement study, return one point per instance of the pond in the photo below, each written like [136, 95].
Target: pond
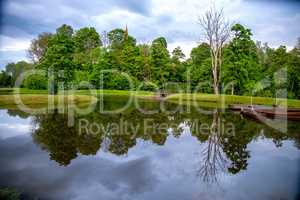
[148, 153]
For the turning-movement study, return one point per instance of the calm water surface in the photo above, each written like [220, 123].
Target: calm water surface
[43, 158]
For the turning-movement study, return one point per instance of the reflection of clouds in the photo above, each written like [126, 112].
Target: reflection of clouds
[149, 171]
[27, 167]
[271, 174]
[12, 130]
[185, 128]
[13, 126]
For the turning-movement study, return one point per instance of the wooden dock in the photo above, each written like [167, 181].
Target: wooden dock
[254, 111]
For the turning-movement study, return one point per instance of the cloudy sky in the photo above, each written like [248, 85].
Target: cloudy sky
[276, 22]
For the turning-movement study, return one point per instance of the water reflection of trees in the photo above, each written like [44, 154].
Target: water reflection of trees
[62, 142]
[213, 158]
[222, 152]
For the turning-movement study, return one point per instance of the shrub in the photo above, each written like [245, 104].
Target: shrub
[148, 86]
[36, 82]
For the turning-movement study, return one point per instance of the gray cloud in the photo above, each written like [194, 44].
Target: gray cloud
[33, 16]
[274, 22]
[108, 179]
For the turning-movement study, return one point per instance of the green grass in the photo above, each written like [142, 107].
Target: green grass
[115, 92]
[41, 100]
[225, 100]
[205, 100]
[6, 91]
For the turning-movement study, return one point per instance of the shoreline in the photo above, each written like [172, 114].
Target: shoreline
[38, 97]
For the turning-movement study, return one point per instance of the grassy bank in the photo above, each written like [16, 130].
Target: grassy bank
[42, 100]
[212, 100]
[9, 91]
[115, 92]
[40, 97]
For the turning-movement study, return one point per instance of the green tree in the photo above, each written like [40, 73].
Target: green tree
[104, 62]
[143, 63]
[5, 79]
[241, 64]
[160, 61]
[121, 45]
[16, 69]
[59, 57]
[276, 60]
[200, 68]
[118, 37]
[200, 54]
[38, 47]
[294, 72]
[87, 48]
[177, 54]
[129, 54]
[36, 82]
[86, 39]
[177, 68]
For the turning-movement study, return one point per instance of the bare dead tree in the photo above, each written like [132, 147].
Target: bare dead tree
[216, 31]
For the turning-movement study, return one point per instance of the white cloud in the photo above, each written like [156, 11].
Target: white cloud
[13, 130]
[176, 20]
[13, 44]
[186, 47]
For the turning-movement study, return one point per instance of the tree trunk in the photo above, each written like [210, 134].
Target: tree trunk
[216, 88]
[215, 74]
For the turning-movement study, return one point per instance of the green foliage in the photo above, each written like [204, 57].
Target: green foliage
[247, 68]
[200, 69]
[241, 66]
[9, 194]
[39, 46]
[86, 39]
[200, 53]
[87, 44]
[143, 63]
[201, 77]
[294, 73]
[118, 38]
[177, 68]
[129, 54]
[160, 61]
[59, 56]
[104, 62]
[5, 79]
[161, 41]
[118, 81]
[16, 69]
[148, 86]
[36, 82]
[177, 54]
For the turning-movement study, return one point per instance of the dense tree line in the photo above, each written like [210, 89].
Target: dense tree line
[248, 68]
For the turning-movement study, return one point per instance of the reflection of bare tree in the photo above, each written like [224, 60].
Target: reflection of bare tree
[214, 159]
